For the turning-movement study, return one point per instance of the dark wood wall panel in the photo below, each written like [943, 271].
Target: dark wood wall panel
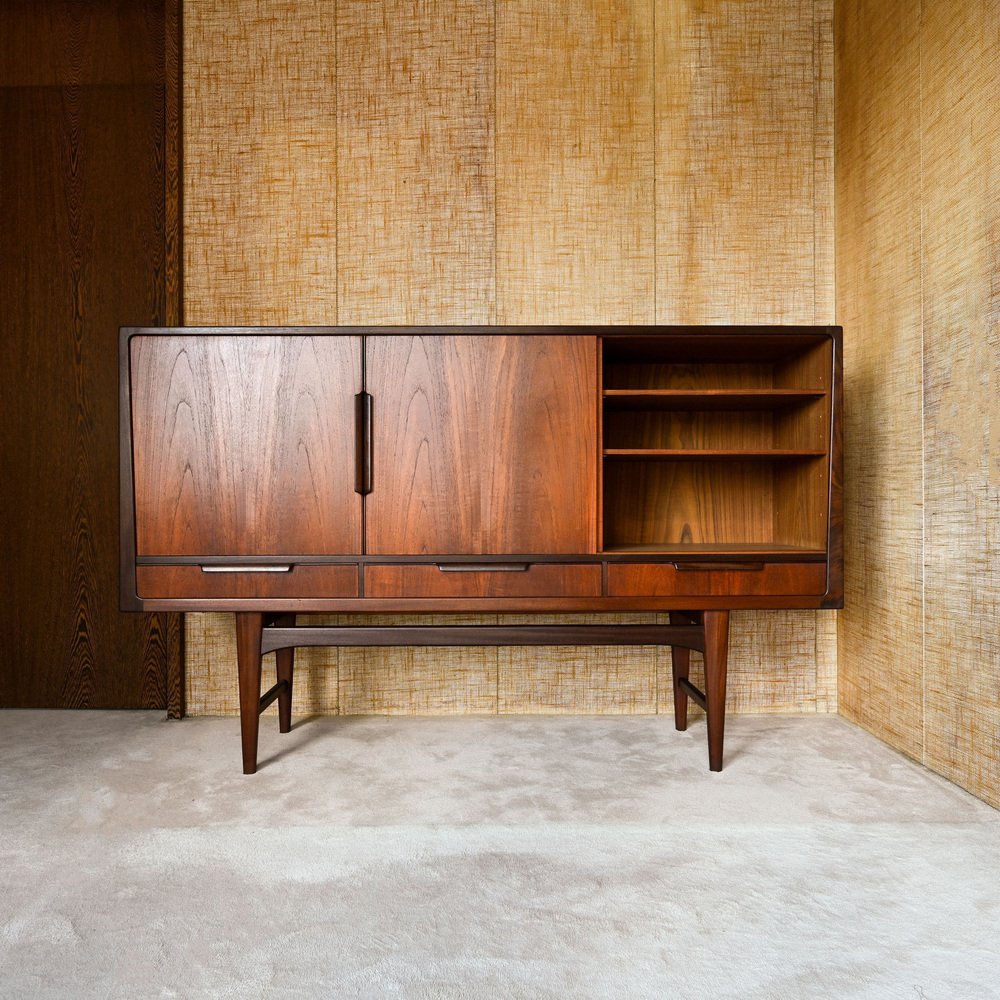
[46, 43]
[82, 224]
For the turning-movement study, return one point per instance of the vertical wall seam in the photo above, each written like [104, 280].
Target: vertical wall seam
[496, 187]
[923, 382]
[656, 172]
[817, 69]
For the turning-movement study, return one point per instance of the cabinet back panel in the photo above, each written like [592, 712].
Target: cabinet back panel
[800, 503]
[688, 502]
[657, 375]
[245, 445]
[482, 444]
[694, 429]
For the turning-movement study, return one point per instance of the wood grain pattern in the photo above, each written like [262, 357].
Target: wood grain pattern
[574, 150]
[219, 468]
[663, 580]
[878, 225]
[649, 503]
[192, 581]
[415, 194]
[484, 445]
[260, 163]
[56, 44]
[82, 223]
[960, 270]
[539, 580]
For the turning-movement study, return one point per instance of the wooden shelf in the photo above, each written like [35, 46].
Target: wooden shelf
[712, 454]
[708, 399]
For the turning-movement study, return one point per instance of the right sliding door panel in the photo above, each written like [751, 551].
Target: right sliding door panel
[482, 444]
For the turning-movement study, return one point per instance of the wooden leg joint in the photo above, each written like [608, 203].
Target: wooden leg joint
[275, 692]
[691, 691]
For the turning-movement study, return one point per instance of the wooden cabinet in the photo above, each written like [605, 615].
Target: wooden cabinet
[690, 470]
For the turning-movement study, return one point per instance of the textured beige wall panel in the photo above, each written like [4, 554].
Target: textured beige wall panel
[878, 277]
[574, 155]
[737, 144]
[419, 680]
[259, 171]
[415, 161]
[960, 55]
[590, 680]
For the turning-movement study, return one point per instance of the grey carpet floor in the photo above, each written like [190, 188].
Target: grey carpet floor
[486, 857]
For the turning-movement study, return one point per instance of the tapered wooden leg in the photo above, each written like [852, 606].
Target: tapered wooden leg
[285, 661]
[680, 662]
[249, 625]
[716, 656]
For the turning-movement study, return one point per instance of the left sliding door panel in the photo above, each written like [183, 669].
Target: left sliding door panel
[245, 445]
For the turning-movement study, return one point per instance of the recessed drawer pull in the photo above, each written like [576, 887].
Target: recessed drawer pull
[729, 567]
[264, 568]
[483, 567]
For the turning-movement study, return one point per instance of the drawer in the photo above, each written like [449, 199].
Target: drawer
[476, 580]
[716, 579]
[300, 580]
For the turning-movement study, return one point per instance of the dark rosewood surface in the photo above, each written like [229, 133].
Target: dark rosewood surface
[482, 444]
[85, 233]
[540, 580]
[245, 445]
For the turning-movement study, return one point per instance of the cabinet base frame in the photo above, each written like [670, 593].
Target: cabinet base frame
[259, 633]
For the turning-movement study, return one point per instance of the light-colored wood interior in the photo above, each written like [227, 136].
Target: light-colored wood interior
[698, 452]
[525, 162]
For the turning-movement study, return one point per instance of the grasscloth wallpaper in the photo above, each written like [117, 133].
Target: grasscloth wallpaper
[918, 275]
[453, 161]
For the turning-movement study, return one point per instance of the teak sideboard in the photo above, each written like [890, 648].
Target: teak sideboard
[543, 470]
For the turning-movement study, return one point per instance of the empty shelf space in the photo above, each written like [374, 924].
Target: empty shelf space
[708, 399]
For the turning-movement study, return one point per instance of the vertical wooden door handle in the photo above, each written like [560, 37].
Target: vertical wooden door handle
[363, 443]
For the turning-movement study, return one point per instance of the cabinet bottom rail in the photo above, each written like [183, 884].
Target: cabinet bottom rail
[258, 634]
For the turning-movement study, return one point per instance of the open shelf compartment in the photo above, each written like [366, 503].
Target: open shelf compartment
[716, 442]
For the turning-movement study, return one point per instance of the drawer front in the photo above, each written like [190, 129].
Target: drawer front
[718, 580]
[504, 580]
[247, 582]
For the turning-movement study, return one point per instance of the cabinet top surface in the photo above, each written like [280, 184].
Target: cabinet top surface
[494, 331]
